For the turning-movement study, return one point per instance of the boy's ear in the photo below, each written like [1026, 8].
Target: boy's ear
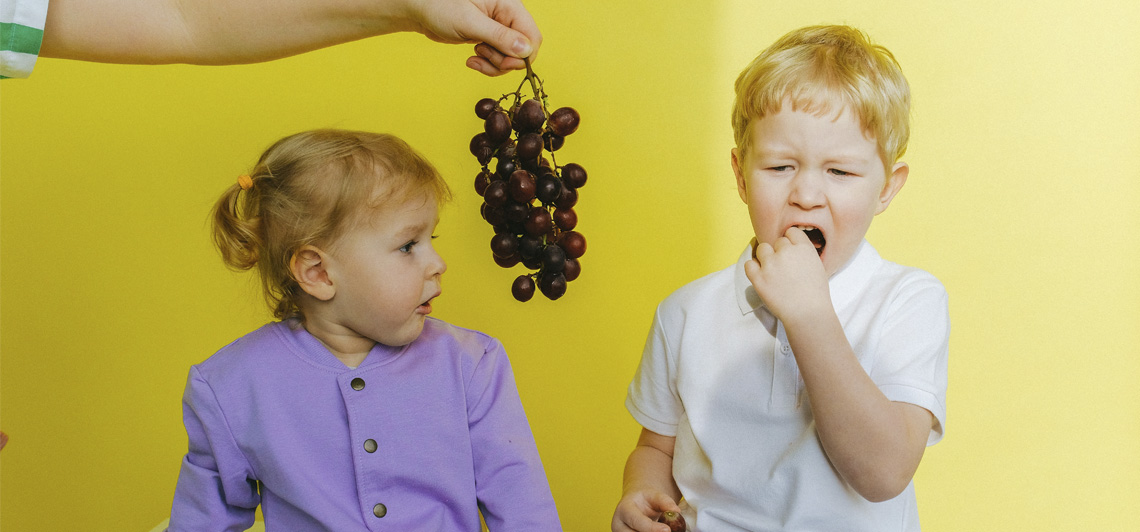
[741, 186]
[309, 267]
[895, 181]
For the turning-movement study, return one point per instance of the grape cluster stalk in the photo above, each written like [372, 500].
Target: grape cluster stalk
[528, 198]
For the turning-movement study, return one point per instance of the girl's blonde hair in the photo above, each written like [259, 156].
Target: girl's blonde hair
[307, 189]
[822, 69]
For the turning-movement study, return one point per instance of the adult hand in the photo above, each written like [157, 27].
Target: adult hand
[504, 29]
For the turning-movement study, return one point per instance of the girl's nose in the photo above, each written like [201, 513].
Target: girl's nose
[438, 265]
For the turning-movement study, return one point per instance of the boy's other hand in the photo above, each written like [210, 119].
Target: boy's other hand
[638, 511]
[789, 276]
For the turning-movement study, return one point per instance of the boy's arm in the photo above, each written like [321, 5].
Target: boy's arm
[648, 488]
[875, 444]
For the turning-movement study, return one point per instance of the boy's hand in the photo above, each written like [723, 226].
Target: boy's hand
[789, 277]
[638, 510]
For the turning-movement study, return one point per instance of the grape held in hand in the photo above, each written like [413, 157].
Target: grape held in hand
[675, 520]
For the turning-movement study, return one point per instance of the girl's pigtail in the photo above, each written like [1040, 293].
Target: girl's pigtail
[236, 226]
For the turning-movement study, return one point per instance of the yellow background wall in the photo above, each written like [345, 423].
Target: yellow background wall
[1022, 198]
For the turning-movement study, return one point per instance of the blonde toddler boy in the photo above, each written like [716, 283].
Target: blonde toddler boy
[797, 389]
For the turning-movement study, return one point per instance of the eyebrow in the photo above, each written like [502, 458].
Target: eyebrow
[415, 229]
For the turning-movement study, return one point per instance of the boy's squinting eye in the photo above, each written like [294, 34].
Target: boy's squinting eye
[407, 248]
[783, 168]
[838, 172]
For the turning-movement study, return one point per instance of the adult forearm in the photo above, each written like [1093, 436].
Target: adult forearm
[874, 443]
[209, 31]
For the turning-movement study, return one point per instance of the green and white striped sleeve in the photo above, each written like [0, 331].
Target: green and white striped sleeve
[21, 32]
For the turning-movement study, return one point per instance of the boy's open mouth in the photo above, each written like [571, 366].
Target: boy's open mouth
[816, 237]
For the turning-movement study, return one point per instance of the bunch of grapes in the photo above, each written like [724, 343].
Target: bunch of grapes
[528, 198]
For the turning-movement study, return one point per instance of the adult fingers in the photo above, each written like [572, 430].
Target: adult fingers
[491, 61]
[508, 27]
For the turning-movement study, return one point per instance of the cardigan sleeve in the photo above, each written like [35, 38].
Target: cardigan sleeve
[511, 485]
[216, 488]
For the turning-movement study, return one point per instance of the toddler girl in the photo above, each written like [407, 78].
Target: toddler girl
[356, 411]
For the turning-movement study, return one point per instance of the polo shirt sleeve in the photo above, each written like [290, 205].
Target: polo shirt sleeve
[510, 482]
[215, 490]
[914, 348]
[21, 32]
[652, 398]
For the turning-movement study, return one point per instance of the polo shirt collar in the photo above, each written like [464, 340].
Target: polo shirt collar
[845, 284]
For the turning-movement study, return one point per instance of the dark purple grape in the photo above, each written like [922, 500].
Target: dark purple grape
[529, 246]
[552, 141]
[515, 211]
[523, 288]
[498, 127]
[565, 219]
[537, 222]
[505, 168]
[496, 193]
[533, 263]
[553, 258]
[567, 198]
[572, 269]
[552, 285]
[506, 151]
[481, 182]
[481, 148]
[529, 116]
[529, 146]
[493, 215]
[564, 121]
[574, 175]
[547, 188]
[506, 262]
[504, 245]
[484, 107]
[521, 186]
[573, 243]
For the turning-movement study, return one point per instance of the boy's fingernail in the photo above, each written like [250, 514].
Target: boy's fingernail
[521, 48]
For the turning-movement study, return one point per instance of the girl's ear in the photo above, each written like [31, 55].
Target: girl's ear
[309, 267]
[895, 181]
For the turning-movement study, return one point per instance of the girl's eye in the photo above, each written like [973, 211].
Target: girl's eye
[407, 248]
[783, 168]
[838, 172]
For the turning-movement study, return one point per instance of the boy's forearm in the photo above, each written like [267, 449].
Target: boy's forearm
[649, 468]
[875, 444]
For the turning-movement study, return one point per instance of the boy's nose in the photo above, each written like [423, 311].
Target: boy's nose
[807, 191]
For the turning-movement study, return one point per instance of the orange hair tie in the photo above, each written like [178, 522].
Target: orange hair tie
[245, 182]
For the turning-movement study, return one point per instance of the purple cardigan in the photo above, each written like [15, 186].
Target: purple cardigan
[419, 437]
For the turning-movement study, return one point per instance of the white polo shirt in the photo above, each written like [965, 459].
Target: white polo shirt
[718, 374]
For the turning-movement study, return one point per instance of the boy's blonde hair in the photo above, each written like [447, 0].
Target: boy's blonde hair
[309, 188]
[822, 69]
